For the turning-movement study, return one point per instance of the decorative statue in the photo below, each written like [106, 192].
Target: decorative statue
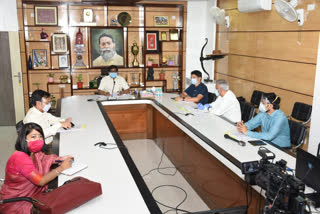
[150, 74]
[135, 52]
[43, 35]
[79, 38]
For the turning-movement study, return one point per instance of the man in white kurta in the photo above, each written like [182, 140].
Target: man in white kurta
[226, 104]
[38, 114]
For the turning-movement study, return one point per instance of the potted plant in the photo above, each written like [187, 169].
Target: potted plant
[162, 75]
[170, 61]
[150, 62]
[36, 84]
[51, 79]
[79, 83]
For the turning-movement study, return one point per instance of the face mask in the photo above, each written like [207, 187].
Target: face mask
[35, 146]
[194, 81]
[113, 75]
[46, 107]
[216, 92]
[262, 108]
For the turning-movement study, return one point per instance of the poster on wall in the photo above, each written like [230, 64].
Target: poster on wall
[107, 47]
[152, 42]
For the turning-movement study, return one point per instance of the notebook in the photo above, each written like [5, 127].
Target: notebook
[76, 167]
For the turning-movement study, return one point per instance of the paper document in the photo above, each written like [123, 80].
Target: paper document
[75, 128]
[76, 167]
[126, 97]
[240, 136]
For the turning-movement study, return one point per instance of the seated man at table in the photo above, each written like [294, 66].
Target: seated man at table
[41, 103]
[274, 123]
[226, 104]
[113, 84]
[197, 92]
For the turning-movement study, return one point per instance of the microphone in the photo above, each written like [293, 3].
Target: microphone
[114, 83]
[241, 143]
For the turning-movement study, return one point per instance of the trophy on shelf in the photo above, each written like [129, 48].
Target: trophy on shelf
[43, 35]
[175, 78]
[135, 52]
[134, 80]
[79, 49]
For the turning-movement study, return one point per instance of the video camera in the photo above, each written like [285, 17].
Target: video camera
[284, 192]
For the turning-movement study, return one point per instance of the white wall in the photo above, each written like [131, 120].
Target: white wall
[8, 15]
[314, 137]
[200, 25]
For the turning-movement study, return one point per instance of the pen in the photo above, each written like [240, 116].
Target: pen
[60, 161]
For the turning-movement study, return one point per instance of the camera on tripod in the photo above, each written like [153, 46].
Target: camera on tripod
[284, 193]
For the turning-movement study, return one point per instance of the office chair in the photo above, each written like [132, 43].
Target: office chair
[318, 153]
[298, 133]
[19, 126]
[247, 111]
[211, 97]
[241, 99]
[301, 112]
[256, 98]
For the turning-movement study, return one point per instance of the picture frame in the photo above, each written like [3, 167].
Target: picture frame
[63, 61]
[46, 15]
[59, 43]
[161, 21]
[163, 36]
[88, 15]
[152, 42]
[107, 46]
[39, 58]
[174, 34]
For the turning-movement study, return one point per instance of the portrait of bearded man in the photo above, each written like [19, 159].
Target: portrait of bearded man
[108, 54]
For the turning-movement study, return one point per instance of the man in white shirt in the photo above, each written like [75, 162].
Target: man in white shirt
[41, 103]
[226, 104]
[113, 84]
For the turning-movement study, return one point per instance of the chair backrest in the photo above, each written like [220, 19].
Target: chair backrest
[256, 98]
[241, 99]
[298, 132]
[19, 126]
[301, 111]
[247, 111]
[99, 81]
[211, 97]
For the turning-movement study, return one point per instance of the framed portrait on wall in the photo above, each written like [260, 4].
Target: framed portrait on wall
[107, 46]
[161, 20]
[39, 58]
[59, 43]
[45, 15]
[152, 38]
[63, 61]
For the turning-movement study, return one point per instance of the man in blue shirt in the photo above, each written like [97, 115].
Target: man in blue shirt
[197, 92]
[274, 123]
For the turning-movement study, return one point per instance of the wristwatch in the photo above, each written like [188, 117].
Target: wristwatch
[182, 98]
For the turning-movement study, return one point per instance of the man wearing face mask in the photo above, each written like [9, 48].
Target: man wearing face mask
[197, 92]
[226, 104]
[41, 103]
[274, 123]
[108, 54]
[113, 84]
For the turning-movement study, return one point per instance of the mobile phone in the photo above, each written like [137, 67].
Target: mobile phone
[256, 142]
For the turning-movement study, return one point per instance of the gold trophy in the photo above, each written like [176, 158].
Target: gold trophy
[135, 52]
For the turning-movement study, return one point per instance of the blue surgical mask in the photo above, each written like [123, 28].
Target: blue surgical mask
[216, 92]
[46, 107]
[113, 75]
[262, 108]
[194, 81]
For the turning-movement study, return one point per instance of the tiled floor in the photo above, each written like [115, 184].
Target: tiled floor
[146, 155]
[8, 137]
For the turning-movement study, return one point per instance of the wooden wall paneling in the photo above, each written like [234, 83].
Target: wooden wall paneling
[137, 35]
[23, 62]
[172, 13]
[84, 92]
[55, 89]
[76, 13]
[33, 33]
[42, 78]
[22, 41]
[72, 38]
[26, 102]
[227, 4]
[20, 18]
[25, 82]
[39, 46]
[135, 13]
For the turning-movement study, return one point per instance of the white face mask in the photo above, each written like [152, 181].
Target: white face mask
[46, 107]
[216, 92]
[194, 81]
[262, 108]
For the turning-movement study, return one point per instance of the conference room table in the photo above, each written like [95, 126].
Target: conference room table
[188, 136]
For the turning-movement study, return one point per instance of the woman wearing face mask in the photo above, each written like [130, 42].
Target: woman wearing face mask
[274, 123]
[28, 169]
[41, 103]
[113, 84]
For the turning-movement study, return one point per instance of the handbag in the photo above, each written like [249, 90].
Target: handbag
[70, 195]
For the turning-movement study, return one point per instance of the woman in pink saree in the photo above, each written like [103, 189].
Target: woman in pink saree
[28, 169]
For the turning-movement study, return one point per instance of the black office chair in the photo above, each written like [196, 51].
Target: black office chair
[241, 99]
[211, 97]
[301, 112]
[298, 133]
[256, 98]
[247, 111]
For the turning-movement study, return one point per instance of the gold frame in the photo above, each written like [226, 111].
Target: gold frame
[36, 18]
[161, 25]
[174, 34]
[54, 48]
[163, 36]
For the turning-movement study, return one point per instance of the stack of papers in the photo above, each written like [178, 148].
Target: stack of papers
[76, 167]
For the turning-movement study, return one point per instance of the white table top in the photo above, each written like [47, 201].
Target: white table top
[108, 166]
